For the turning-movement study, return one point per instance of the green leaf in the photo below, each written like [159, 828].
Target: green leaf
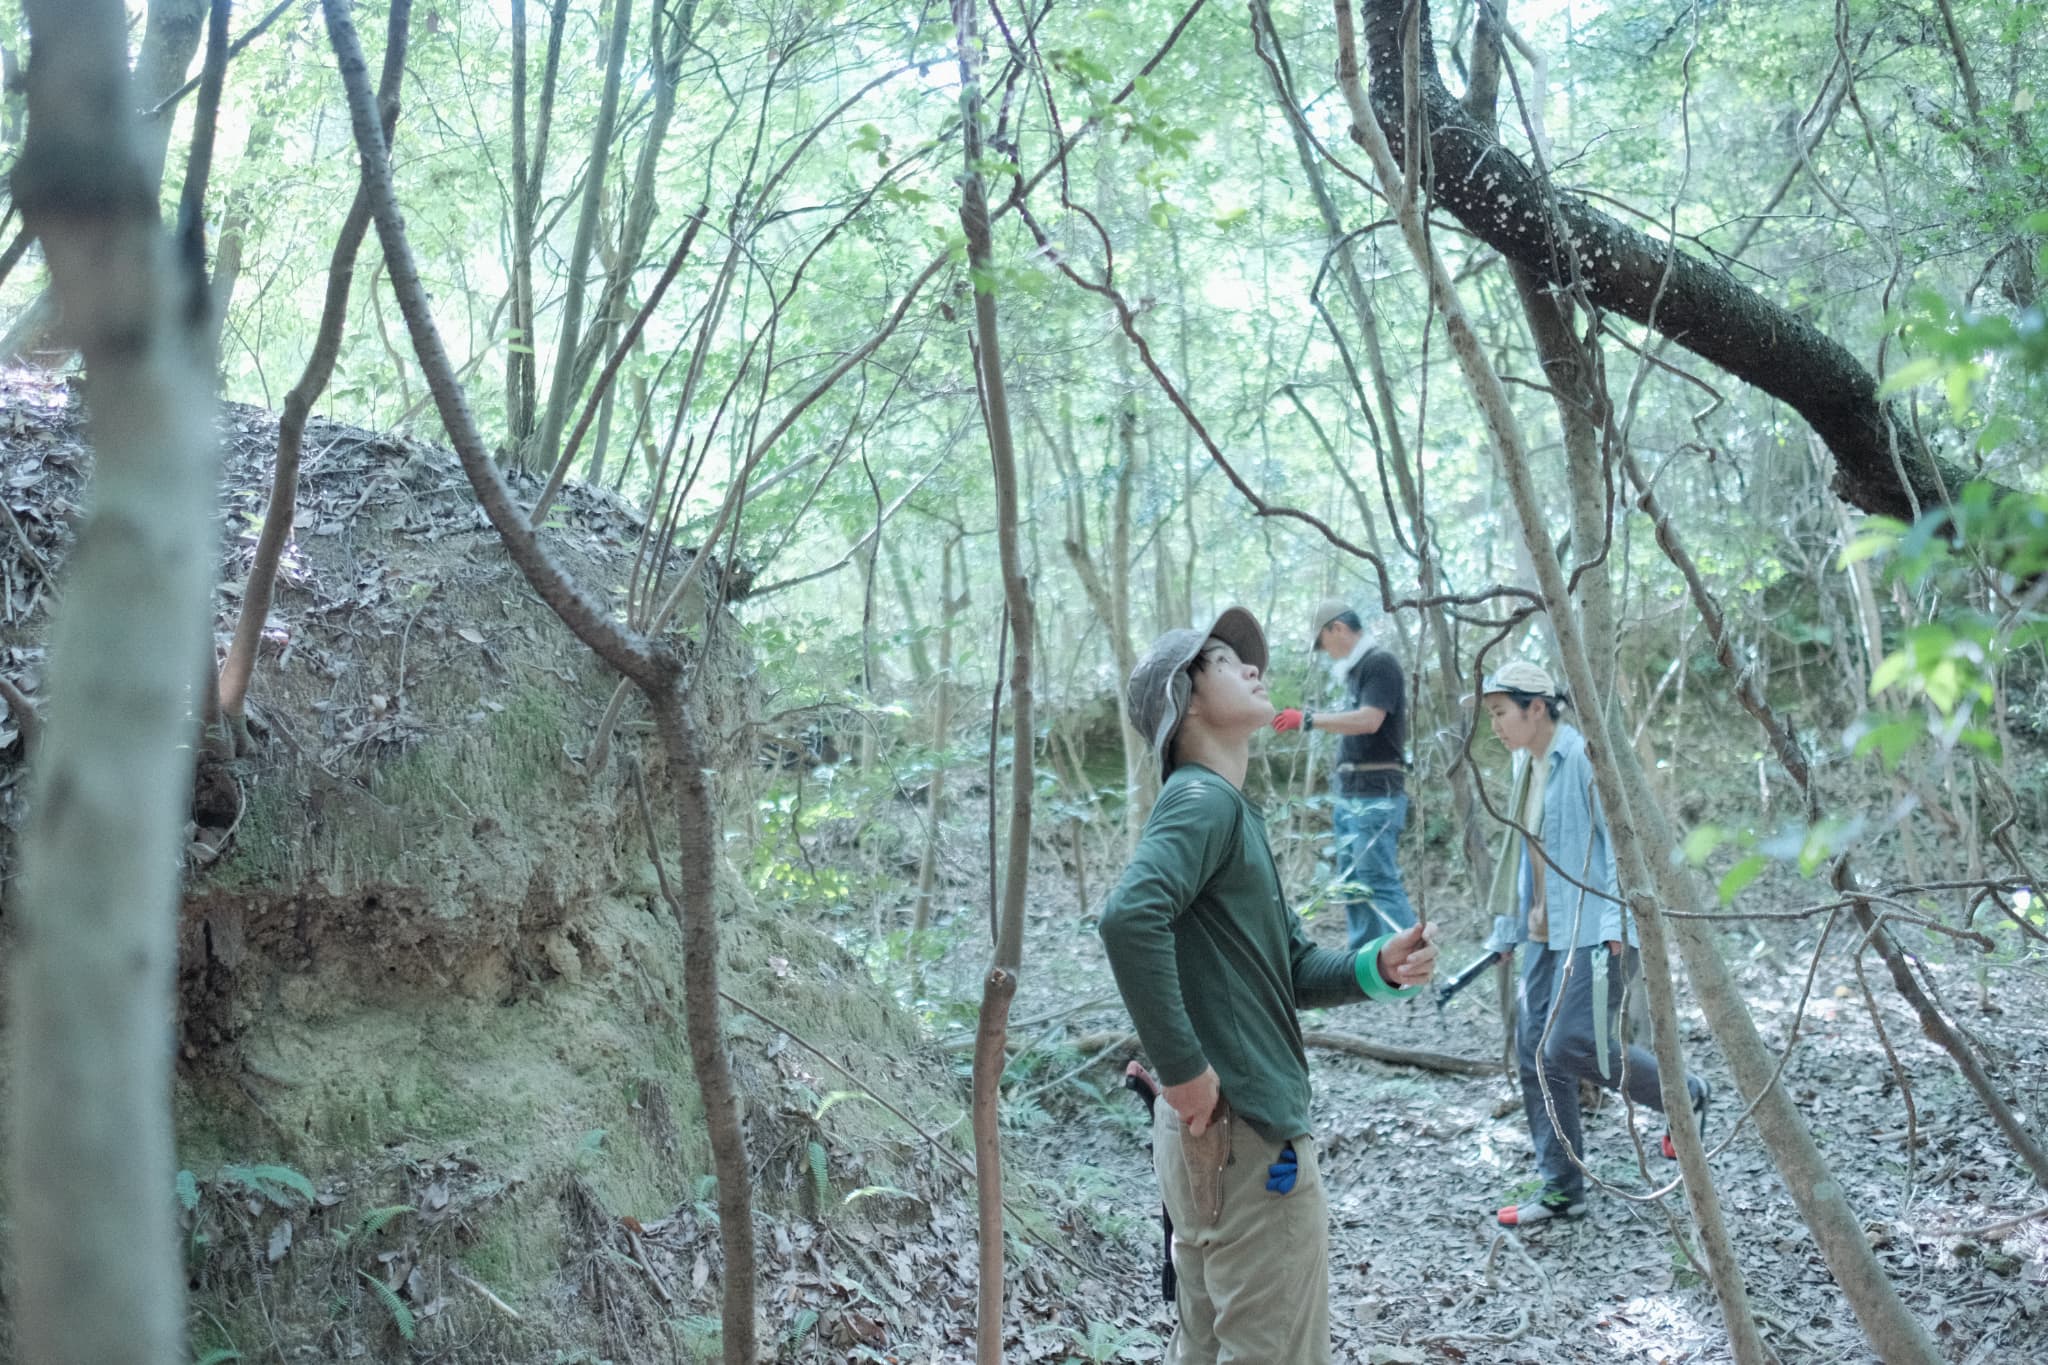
[821, 1172]
[1701, 843]
[835, 1097]
[376, 1220]
[1892, 739]
[1741, 875]
[2000, 429]
[219, 1356]
[1957, 383]
[188, 1191]
[798, 1328]
[1878, 535]
[1911, 375]
[1891, 670]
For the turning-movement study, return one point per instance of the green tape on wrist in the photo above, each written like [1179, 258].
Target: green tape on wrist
[1366, 967]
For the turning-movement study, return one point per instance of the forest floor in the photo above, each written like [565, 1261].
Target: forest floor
[1416, 1163]
[868, 1237]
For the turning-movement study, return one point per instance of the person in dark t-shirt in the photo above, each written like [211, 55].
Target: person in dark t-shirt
[1370, 782]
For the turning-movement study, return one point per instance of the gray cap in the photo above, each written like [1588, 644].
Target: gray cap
[1160, 685]
[1521, 678]
[1327, 610]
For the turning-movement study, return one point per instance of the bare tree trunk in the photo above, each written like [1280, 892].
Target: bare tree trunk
[1000, 985]
[942, 733]
[668, 38]
[170, 38]
[240, 664]
[1108, 586]
[1393, 444]
[654, 670]
[696, 916]
[529, 163]
[561, 386]
[1492, 400]
[95, 958]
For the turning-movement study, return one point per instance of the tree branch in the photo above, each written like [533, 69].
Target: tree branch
[1881, 464]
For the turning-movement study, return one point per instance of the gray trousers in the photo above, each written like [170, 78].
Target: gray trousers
[1568, 1050]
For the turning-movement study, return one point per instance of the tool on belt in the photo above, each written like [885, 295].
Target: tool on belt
[1140, 1083]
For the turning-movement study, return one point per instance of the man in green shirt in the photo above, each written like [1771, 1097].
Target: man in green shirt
[1213, 966]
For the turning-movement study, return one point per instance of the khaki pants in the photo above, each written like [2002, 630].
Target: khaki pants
[1254, 1284]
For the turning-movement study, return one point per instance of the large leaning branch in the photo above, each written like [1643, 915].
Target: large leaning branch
[1881, 464]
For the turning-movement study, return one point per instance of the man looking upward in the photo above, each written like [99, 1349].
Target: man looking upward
[1214, 967]
[1371, 805]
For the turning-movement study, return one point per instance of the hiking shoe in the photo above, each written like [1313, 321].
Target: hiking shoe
[1700, 1100]
[1545, 1207]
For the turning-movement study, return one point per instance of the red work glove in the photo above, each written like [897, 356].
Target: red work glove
[1290, 719]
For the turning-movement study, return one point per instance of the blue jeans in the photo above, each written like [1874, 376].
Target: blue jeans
[1375, 902]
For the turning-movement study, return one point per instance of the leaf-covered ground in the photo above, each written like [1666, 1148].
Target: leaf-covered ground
[1417, 1162]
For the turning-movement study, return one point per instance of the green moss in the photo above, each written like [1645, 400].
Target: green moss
[267, 842]
[520, 1247]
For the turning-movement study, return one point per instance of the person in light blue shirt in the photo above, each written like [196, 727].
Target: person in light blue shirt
[1579, 937]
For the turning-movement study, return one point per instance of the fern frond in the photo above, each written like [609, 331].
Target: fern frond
[375, 1221]
[821, 1174]
[799, 1327]
[271, 1182]
[401, 1316]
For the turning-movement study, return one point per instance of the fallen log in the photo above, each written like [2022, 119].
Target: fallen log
[1399, 1056]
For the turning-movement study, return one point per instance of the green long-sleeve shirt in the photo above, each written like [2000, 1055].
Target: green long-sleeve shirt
[1211, 962]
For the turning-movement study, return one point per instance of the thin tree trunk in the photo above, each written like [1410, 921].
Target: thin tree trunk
[654, 670]
[1792, 757]
[1393, 444]
[1570, 369]
[1000, 985]
[561, 387]
[1108, 585]
[942, 732]
[240, 665]
[697, 918]
[529, 164]
[1492, 400]
[668, 39]
[170, 38]
[94, 959]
